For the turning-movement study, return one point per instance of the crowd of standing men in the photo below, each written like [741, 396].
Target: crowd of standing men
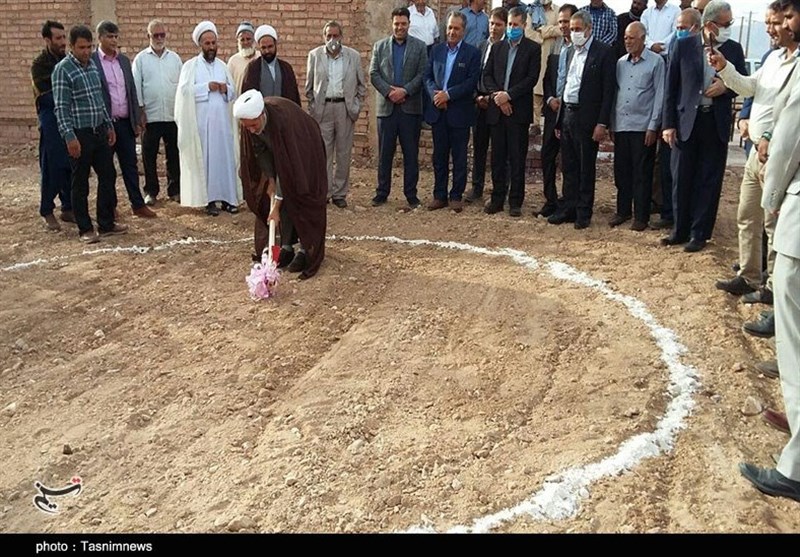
[659, 81]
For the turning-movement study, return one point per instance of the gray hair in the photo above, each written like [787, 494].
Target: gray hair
[517, 11]
[460, 16]
[693, 16]
[153, 24]
[333, 23]
[584, 16]
[714, 8]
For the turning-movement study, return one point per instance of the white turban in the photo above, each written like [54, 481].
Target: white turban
[244, 26]
[266, 31]
[201, 28]
[249, 105]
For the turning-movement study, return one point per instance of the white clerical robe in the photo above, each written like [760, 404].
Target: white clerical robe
[206, 132]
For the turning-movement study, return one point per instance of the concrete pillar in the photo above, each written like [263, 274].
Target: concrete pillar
[102, 10]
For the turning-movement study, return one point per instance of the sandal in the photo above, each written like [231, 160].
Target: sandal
[232, 209]
[212, 209]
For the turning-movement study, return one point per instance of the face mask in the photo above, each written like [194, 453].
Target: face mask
[578, 38]
[333, 45]
[514, 33]
[683, 33]
[724, 34]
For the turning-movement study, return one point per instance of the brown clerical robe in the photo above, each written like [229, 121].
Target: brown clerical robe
[252, 79]
[301, 165]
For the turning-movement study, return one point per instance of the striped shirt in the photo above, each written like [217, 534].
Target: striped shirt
[604, 23]
[78, 96]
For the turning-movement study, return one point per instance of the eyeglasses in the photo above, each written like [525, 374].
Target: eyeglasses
[724, 26]
[159, 35]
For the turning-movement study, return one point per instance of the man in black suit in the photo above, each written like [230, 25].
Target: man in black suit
[551, 143]
[584, 116]
[697, 123]
[510, 75]
[481, 133]
[119, 93]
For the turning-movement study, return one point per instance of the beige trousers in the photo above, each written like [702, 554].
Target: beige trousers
[337, 131]
[752, 220]
[787, 341]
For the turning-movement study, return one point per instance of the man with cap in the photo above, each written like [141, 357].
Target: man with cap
[206, 130]
[283, 156]
[237, 63]
[270, 75]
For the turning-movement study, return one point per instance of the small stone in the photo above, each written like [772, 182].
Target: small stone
[290, 480]
[482, 453]
[239, 523]
[14, 496]
[220, 521]
[96, 521]
[632, 412]
[394, 501]
[66, 450]
[738, 367]
[150, 512]
[21, 345]
[456, 484]
[716, 398]
[356, 446]
[99, 334]
[752, 407]
[10, 410]
[627, 529]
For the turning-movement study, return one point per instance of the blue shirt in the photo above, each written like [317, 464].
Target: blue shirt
[477, 26]
[451, 60]
[604, 23]
[398, 56]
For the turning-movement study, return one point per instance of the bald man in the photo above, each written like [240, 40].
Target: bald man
[635, 123]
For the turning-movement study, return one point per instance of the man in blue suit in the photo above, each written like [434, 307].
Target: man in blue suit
[450, 81]
[697, 123]
[119, 94]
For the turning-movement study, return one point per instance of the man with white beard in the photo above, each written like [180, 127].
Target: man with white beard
[247, 51]
[206, 129]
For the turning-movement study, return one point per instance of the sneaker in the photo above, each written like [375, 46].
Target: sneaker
[51, 222]
[737, 286]
[761, 296]
[149, 200]
[116, 230]
[89, 237]
[414, 203]
[299, 263]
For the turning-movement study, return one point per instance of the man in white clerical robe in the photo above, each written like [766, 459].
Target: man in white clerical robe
[206, 129]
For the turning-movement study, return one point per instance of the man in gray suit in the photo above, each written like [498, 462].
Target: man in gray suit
[335, 91]
[782, 195]
[396, 70]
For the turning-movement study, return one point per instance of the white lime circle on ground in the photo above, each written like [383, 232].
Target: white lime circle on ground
[560, 496]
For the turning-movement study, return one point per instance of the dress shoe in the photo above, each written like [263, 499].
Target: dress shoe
[560, 218]
[67, 215]
[51, 222]
[149, 200]
[456, 205]
[671, 241]
[144, 212]
[580, 224]
[116, 230]
[547, 210]
[662, 224]
[737, 286]
[492, 207]
[694, 246]
[616, 220]
[768, 368]
[770, 481]
[763, 328]
[299, 263]
[341, 203]
[776, 419]
[378, 200]
[638, 226]
[437, 204]
[90, 237]
[414, 203]
[761, 296]
[473, 195]
[285, 257]
[212, 209]
[229, 208]
[514, 212]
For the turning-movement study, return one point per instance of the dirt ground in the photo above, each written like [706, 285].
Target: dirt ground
[404, 387]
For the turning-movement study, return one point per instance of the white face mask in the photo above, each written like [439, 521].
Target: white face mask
[333, 45]
[578, 38]
[724, 34]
